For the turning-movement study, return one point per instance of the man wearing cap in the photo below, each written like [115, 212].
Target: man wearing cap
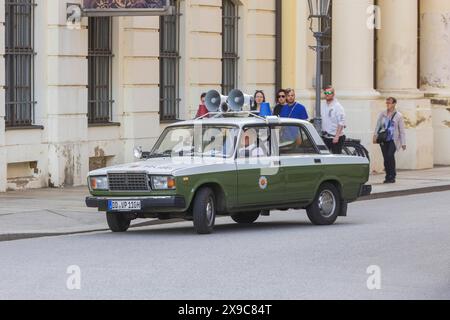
[333, 122]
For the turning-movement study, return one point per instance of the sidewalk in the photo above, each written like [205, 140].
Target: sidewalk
[33, 213]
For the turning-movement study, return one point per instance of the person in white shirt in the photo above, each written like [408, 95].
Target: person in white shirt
[333, 122]
[248, 147]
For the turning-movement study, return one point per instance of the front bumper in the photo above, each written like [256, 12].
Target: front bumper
[365, 191]
[148, 204]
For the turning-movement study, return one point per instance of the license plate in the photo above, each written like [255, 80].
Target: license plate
[124, 205]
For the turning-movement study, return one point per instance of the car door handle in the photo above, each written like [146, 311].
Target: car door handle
[317, 161]
[277, 163]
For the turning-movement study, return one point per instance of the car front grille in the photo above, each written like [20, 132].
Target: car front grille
[128, 182]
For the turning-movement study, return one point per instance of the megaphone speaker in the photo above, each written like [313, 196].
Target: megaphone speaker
[239, 101]
[214, 101]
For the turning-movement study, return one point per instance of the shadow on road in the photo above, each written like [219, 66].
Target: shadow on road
[231, 228]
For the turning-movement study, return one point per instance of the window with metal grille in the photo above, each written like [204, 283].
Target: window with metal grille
[230, 56]
[19, 63]
[99, 70]
[169, 58]
[327, 54]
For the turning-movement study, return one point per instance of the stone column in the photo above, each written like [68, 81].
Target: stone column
[257, 35]
[3, 164]
[299, 63]
[397, 46]
[67, 99]
[139, 63]
[353, 49]
[435, 71]
[397, 57]
[353, 71]
[201, 52]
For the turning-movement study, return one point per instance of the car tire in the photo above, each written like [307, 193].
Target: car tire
[246, 217]
[326, 206]
[204, 211]
[118, 222]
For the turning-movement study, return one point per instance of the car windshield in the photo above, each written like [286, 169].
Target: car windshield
[198, 140]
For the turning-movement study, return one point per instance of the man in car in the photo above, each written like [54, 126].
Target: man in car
[248, 147]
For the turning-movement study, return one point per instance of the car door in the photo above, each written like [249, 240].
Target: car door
[260, 179]
[300, 160]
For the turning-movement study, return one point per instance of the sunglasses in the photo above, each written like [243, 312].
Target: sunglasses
[281, 97]
[328, 93]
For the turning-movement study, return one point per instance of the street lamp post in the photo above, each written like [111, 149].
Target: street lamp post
[319, 18]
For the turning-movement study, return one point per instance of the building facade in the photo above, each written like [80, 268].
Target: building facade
[82, 98]
[380, 48]
[79, 98]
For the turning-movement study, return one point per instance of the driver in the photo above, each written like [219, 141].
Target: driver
[248, 147]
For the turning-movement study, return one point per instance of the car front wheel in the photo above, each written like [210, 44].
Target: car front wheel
[246, 217]
[118, 222]
[326, 206]
[204, 211]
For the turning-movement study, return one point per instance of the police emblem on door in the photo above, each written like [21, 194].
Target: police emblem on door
[263, 182]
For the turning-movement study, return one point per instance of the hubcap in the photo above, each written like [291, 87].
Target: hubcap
[210, 210]
[327, 203]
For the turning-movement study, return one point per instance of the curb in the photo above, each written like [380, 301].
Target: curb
[23, 236]
[376, 196]
[403, 193]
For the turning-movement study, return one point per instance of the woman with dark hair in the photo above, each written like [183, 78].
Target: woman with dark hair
[259, 99]
[281, 102]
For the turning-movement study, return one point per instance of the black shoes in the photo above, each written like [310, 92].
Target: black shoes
[389, 181]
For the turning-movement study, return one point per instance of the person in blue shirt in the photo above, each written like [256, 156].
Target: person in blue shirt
[293, 109]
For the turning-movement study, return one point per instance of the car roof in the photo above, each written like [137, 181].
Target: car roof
[239, 121]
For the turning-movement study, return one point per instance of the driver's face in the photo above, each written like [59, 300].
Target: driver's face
[246, 139]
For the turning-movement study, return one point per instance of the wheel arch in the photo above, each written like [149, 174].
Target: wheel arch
[219, 195]
[338, 185]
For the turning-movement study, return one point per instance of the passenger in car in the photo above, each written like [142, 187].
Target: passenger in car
[248, 147]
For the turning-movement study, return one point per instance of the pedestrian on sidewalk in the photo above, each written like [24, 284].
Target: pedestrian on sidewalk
[390, 135]
[293, 109]
[333, 122]
[259, 98]
[281, 102]
[202, 110]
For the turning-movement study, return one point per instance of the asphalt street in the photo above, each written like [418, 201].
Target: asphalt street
[280, 257]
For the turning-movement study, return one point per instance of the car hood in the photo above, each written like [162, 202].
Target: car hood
[161, 166]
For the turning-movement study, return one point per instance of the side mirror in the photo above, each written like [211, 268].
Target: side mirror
[138, 153]
[141, 155]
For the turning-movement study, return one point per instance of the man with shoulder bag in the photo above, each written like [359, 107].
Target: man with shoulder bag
[391, 136]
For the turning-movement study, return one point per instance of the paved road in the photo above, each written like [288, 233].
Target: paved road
[280, 257]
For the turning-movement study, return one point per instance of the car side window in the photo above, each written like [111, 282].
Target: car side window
[294, 140]
[254, 142]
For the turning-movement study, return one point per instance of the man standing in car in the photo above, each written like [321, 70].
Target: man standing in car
[333, 122]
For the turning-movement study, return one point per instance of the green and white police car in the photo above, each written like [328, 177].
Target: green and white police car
[239, 165]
